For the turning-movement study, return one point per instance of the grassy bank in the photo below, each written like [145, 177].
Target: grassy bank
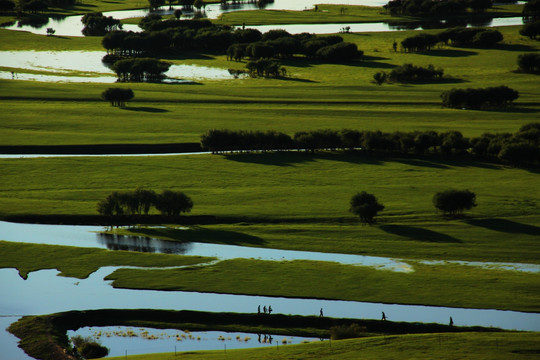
[436, 285]
[44, 337]
[473, 346]
[81, 262]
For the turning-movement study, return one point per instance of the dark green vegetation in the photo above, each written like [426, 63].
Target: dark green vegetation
[117, 96]
[484, 98]
[365, 206]
[44, 337]
[81, 262]
[138, 202]
[453, 202]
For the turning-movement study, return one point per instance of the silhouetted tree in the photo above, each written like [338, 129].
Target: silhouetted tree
[365, 206]
[117, 96]
[172, 203]
[454, 202]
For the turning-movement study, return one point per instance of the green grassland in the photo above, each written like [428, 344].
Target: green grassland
[435, 285]
[477, 346]
[315, 96]
[333, 14]
[81, 262]
[301, 201]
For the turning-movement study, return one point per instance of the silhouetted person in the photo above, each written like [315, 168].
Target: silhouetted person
[394, 46]
[264, 309]
[270, 338]
[259, 337]
[270, 309]
[383, 316]
[451, 321]
[259, 309]
[321, 313]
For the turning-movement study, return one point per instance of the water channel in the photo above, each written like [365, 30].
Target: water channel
[56, 293]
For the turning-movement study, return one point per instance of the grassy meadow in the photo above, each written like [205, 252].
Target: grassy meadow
[315, 96]
[477, 346]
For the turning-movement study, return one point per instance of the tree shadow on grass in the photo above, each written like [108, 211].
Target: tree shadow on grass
[449, 53]
[506, 226]
[419, 234]
[290, 158]
[199, 234]
[514, 47]
[145, 109]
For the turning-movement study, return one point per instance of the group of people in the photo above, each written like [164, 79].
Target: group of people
[265, 309]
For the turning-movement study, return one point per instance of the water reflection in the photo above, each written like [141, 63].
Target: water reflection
[120, 339]
[143, 244]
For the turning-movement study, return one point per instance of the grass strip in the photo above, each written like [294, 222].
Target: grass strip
[434, 285]
[81, 262]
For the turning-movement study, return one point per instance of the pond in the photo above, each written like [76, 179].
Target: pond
[72, 26]
[123, 340]
[86, 66]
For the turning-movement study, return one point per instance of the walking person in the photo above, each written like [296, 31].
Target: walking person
[270, 309]
[259, 309]
[451, 321]
[383, 316]
[321, 313]
[264, 309]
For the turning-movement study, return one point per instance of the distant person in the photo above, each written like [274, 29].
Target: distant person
[264, 309]
[259, 309]
[383, 316]
[12, 75]
[451, 321]
[270, 309]
[321, 313]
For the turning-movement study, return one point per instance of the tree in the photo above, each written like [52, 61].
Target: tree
[452, 202]
[365, 206]
[177, 14]
[50, 31]
[172, 203]
[117, 96]
[379, 77]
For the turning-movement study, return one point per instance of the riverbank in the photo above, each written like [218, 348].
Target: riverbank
[45, 336]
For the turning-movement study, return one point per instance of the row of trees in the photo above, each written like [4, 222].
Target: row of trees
[432, 8]
[491, 97]
[475, 37]
[140, 201]
[531, 30]
[529, 63]
[451, 202]
[174, 35]
[408, 73]
[531, 10]
[140, 69]
[117, 96]
[522, 147]
[95, 24]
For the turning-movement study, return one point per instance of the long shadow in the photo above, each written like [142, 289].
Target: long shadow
[419, 234]
[145, 109]
[203, 235]
[291, 158]
[514, 47]
[297, 80]
[422, 163]
[449, 53]
[377, 65]
[506, 226]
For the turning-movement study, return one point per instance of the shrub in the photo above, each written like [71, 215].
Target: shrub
[411, 73]
[453, 202]
[365, 206]
[117, 96]
[346, 331]
[529, 62]
[491, 97]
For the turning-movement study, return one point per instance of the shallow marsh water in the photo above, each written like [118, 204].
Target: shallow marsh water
[121, 340]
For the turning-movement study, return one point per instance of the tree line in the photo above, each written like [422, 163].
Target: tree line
[201, 35]
[438, 9]
[522, 147]
[140, 201]
[475, 37]
[481, 98]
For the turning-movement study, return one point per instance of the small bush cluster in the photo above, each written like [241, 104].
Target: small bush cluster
[483, 98]
[529, 63]
[117, 96]
[475, 37]
[95, 24]
[140, 69]
[409, 73]
[88, 348]
[531, 30]
[454, 202]
[140, 201]
[522, 147]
